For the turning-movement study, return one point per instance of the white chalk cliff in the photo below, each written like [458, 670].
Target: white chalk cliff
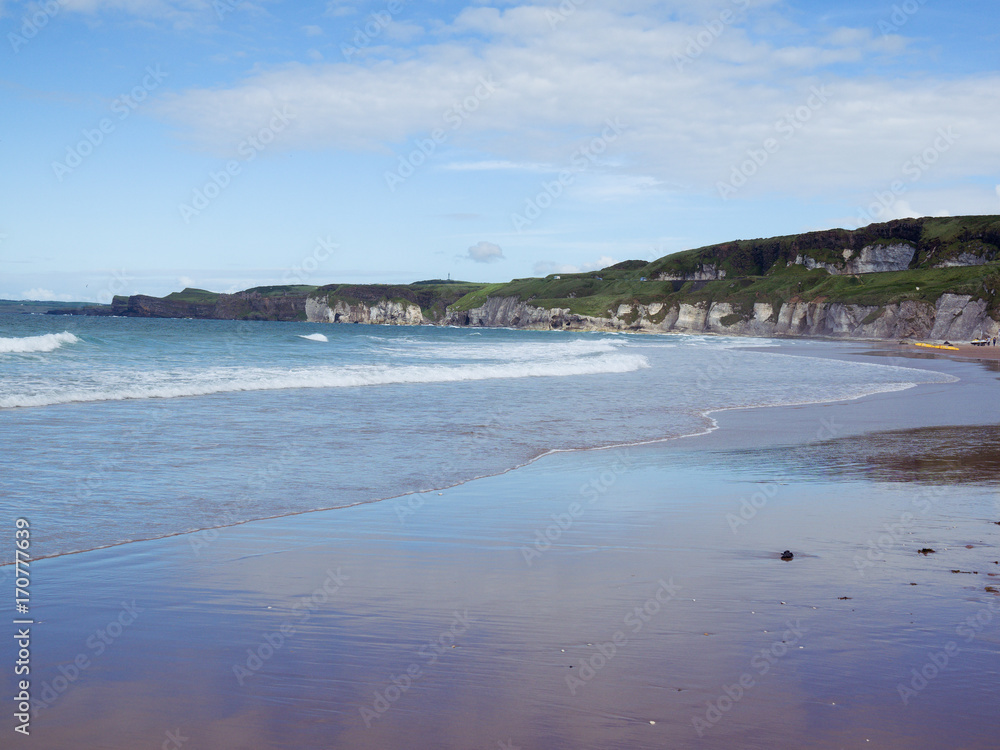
[956, 317]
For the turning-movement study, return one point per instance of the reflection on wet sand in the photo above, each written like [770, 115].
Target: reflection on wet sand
[645, 620]
[932, 455]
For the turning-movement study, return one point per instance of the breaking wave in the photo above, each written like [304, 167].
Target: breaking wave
[178, 383]
[48, 342]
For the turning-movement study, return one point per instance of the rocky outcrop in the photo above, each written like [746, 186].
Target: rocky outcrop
[953, 317]
[142, 306]
[870, 259]
[705, 272]
[959, 317]
[240, 306]
[383, 312]
[511, 312]
[962, 259]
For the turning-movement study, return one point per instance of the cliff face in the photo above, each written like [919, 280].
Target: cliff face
[705, 272]
[239, 306]
[870, 259]
[962, 259]
[960, 317]
[956, 317]
[386, 312]
[142, 306]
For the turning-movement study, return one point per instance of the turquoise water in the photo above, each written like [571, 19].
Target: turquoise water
[119, 429]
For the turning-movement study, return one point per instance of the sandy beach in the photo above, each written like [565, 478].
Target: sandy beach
[977, 352]
[631, 597]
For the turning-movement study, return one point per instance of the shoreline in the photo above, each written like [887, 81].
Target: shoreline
[712, 425]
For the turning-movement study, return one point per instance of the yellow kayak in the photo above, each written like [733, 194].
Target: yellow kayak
[938, 346]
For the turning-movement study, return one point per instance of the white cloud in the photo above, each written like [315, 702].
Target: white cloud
[403, 32]
[545, 267]
[685, 125]
[899, 210]
[340, 8]
[607, 187]
[187, 281]
[497, 165]
[46, 295]
[181, 14]
[603, 262]
[312, 30]
[485, 252]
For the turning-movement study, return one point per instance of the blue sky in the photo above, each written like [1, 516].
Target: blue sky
[149, 145]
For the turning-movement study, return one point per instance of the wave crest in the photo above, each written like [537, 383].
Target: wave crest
[47, 342]
[179, 383]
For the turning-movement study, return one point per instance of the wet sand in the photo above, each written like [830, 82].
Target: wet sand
[628, 598]
[977, 352]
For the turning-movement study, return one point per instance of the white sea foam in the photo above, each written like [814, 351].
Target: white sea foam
[47, 342]
[506, 351]
[314, 337]
[119, 386]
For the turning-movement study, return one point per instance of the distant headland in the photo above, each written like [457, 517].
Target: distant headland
[929, 278]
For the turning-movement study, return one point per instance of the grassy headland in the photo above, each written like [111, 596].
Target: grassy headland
[958, 255]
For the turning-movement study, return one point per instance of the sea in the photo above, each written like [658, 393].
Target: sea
[116, 430]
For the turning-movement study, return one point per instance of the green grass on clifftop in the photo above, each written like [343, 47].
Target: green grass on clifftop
[584, 294]
[194, 296]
